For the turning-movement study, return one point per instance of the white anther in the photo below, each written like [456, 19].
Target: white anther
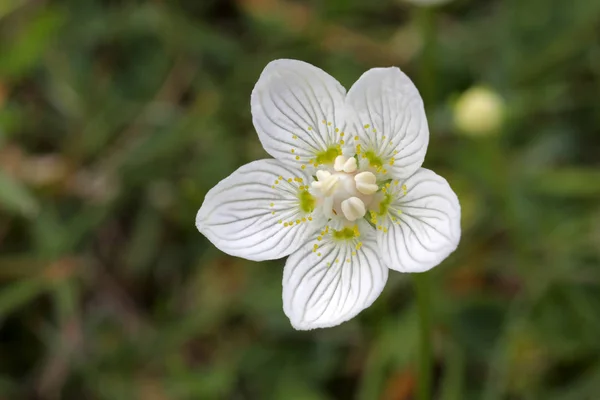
[366, 182]
[353, 208]
[327, 184]
[339, 163]
[350, 165]
[322, 175]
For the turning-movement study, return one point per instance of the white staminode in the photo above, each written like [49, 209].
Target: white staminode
[345, 197]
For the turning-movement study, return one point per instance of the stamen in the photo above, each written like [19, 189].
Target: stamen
[353, 208]
[366, 182]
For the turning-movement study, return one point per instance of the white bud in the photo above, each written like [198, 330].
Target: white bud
[479, 112]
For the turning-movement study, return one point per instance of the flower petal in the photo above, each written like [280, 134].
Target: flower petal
[297, 110]
[330, 284]
[423, 223]
[259, 212]
[390, 123]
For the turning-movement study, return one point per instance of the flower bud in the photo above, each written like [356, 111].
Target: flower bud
[479, 112]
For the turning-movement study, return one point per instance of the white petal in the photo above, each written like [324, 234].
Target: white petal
[329, 285]
[248, 215]
[297, 106]
[423, 225]
[390, 119]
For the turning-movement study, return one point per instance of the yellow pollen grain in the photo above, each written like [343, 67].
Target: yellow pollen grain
[285, 224]
[358, 245]
[324, 121]
[319, 238]
[303, 219]
[303, 167]
[310, 218]
[272, 204]
[310, 128]
[347, 260]
[293, 150]
[356, 138]
[272, 212]
[342, 142]
[294, 137]
[337, 130]
[319, 254]
[297, 157]
[353, 253]
[329, 124]
[367, 126]
[383, 138]
[277, 182]
[316, 246]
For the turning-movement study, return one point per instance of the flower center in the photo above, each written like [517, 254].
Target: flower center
[345, 191]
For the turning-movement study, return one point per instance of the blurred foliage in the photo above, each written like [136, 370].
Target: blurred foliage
[116, 117]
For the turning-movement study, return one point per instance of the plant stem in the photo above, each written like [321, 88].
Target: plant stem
[427, 88]
[421, 284]
[426, 20]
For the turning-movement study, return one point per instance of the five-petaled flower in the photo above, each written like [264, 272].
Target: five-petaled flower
[345, 197]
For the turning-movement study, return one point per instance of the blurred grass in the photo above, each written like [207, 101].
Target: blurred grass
[116, 117]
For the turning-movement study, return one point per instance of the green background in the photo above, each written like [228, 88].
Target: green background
[116, 118]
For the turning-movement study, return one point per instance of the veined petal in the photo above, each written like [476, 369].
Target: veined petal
[297, 110]
[329, 281]
[262, 211]
[391, 126]
[421, 226]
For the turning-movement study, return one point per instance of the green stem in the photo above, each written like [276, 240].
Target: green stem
[421, 283]
[426, 20]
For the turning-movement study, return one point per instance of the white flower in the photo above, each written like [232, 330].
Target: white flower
[345, 196]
